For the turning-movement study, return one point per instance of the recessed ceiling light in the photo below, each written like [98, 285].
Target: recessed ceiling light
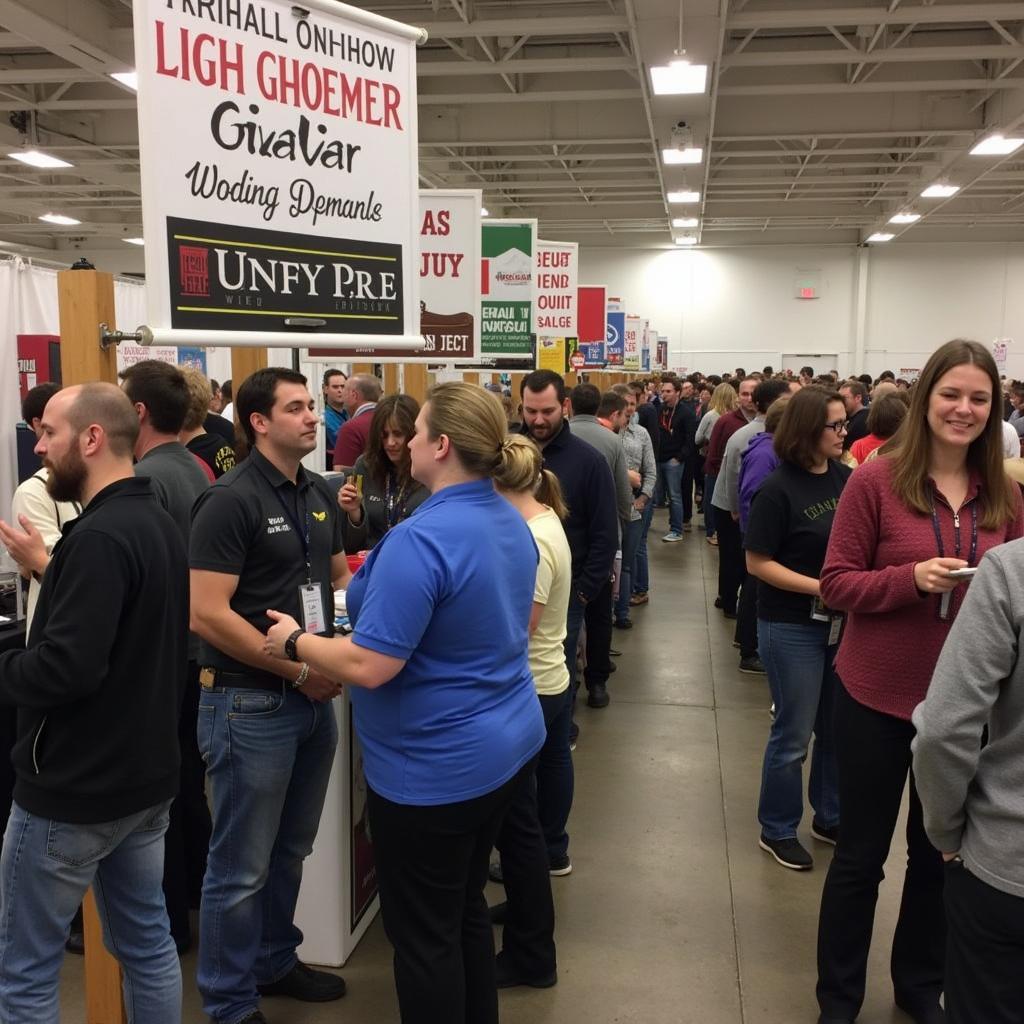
[59, 218]
[997, 145]
[134, 241]
[678, 77]
[129, 78]
[904, 218]
[940, 191]
[686, 240]
[685, 222]
[693, 155]
[34, 158]
[484, 212]
[683, 197]
[881, 236]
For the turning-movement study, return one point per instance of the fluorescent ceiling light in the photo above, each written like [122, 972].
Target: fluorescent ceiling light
[940, 191]
[59, 218]
[685, 222]
[686, 240]
[129, 78]
[693, 155]
[683, 197]
[34, 158]
[484, 212]
[904, 218]
[678, 77]
[997, 145]
[134, 241]
[881, 236]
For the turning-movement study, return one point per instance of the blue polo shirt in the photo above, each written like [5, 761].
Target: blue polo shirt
[450, 591]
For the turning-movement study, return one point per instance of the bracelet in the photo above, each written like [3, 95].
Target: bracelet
[300, 679]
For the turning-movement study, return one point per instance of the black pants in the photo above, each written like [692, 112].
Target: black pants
[984, 952]
[731, 564]
[598, 618]
[188, 834]
[528, 937]
[431, 872]
[746, 612]
[873, 755]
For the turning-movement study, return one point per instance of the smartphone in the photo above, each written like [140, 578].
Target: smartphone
[962, 574]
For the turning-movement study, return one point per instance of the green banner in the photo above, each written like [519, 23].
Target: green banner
[506, 288]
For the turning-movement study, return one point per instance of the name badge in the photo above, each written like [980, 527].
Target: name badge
[834, 630]
[312, 603]
[819, 613]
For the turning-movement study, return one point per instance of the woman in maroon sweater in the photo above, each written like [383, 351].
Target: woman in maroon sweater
[934, 500]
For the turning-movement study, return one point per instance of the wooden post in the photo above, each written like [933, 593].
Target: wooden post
[416, 383]
[86, 300]
[471, 378]
[362, 368]
[391, 379]
[244, 363]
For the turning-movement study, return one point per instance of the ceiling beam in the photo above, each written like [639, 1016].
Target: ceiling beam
[560, 65]
[604, 24]
[801, 58]
[861, 88]
[427, 99]
[927, 15]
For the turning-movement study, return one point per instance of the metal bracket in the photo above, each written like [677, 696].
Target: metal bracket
[108, 338]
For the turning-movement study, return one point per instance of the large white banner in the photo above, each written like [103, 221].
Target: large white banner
[279, 167]
[555, 290]
[631, 351]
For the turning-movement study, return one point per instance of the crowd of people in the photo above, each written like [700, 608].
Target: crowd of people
[176, 733]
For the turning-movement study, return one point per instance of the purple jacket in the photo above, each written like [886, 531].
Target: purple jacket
[755, 464]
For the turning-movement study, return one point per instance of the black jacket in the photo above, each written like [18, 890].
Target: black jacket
[99, 687]
[677, 440]
[857, 429]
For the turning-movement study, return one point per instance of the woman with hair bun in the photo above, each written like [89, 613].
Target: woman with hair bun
[444, 701]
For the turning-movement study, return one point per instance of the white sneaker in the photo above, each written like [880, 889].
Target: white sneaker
[671, 537]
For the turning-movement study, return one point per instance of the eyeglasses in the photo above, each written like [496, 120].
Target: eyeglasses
[840, 426]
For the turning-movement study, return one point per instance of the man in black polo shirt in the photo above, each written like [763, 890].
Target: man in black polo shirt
[267, 534]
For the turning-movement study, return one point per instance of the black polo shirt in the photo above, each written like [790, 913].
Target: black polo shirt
[246, 524]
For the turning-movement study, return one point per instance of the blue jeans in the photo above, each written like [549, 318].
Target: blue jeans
[555, 775]
[631, 535]
[268, 758]
[671, 476]
[803, 684]
[641, 575]
[45, 870]
[709, 509]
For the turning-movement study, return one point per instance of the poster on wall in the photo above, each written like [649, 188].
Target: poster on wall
[506, 288]
[128, 354]
[908, 373]
[591, 304]
[615, 332]
[1000, 351]
[278, 149]
[38, 360]
[593, 353]
[552, 354]
[192, 357]
[631, 348]
[661, 362]
[555, 289]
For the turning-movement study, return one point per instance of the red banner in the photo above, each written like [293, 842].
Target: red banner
[591, 312]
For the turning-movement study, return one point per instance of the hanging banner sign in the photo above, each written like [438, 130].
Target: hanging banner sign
[507, 288]
[615, 332]
[593, 353]
[662, 360]
[555, 299]
[552, 354]
[278, 152]
[591, 303]
[631, 349]
[649, 351]
[1000, 350]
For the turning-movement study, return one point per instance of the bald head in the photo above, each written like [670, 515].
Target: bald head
[100, 404]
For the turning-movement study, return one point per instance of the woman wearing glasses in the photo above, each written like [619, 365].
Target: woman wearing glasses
[787, 534]
[933, 502]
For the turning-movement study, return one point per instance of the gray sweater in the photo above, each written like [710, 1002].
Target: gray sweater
[609, 444]
[973, 798]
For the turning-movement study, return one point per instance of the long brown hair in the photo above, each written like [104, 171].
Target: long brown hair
[397, 413]
[798, 435]
[910, 448]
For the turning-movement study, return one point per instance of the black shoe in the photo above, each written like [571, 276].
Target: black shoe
[728, 614]
[835, 1020]
[75, 943]
[558, 867]
[930, 1014]
[718, 602]
[306, 985]
[574, 735]
[598, 696]
[507, 975]
[494, 872]
[824, 835]
[623, 624]
[499, 912]
[612, 667]
[788, 852]
[614, 653]
[753, 666]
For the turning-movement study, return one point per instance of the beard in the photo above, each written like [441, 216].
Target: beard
[66, 479]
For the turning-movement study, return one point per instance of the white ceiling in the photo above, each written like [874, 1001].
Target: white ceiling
[820, 119]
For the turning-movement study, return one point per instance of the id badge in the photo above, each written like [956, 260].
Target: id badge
[312, 603]
[834, 630]
[819, 613]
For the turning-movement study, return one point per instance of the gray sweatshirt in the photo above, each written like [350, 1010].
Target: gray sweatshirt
[973, 798]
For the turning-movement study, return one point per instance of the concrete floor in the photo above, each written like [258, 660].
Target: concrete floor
[672, 914]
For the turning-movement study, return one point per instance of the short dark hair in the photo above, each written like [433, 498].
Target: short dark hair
[865, 379]
[611, 403]
[768, 371]
[225, 391]
[257, 393]
[799, 430]
[586, 400]
[541, 380]
[886, 414]
[332, 371]
[162, 389]
[637, 387]
[673, 381]
[740, 372]
[34, 403]
[855, 388]
[714, 380]
[767, 391]
[887, 375]
[806, 371]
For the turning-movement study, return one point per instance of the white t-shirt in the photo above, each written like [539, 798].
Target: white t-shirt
[552, 589]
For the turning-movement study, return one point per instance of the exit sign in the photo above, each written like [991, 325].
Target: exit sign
[807, 284]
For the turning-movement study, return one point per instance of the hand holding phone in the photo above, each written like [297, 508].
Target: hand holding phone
[962, 574]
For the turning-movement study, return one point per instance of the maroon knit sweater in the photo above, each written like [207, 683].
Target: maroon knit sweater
[893, 633]
[725, 426]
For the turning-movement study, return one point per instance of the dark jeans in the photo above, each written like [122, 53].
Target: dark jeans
[687, 487]
[874, 759]
[555, 774]
[431, 869]
[597, 614]
[641, 575]
[731, 564]
[631, 534]
[984, 952]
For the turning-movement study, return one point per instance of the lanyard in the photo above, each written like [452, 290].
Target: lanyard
[392, 502]
[956, 532]
[302, 534]
[667, 415]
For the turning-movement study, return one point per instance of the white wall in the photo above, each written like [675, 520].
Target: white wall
[723, 308]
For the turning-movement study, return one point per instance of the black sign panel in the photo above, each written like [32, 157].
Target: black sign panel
[247, 279]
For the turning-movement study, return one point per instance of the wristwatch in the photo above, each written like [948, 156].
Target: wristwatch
[289, 645]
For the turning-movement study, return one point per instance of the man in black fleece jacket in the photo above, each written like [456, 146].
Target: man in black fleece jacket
[98, 691]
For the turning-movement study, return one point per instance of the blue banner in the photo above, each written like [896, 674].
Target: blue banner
[616, 338]
[592, 352]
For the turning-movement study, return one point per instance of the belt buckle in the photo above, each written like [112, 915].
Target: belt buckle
[207, 678]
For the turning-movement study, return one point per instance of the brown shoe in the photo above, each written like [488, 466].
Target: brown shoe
[638, 599]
